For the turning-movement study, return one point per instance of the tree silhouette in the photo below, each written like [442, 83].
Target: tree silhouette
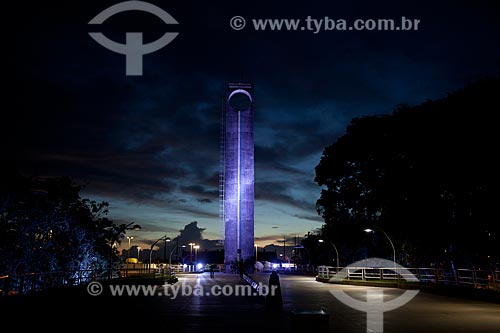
[45, 226]
[426, 174]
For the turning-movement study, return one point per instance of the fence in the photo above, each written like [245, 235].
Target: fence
[480, 279]
[163, 269]
[32, 282]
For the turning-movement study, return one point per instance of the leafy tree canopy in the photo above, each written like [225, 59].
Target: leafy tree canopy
[45, 226]
[425, 174]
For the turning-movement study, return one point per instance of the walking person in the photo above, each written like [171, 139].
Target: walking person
[274, 299]
[212, 271]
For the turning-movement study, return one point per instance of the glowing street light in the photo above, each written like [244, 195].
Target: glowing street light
[390, 241]
[336, 251]
[191, 251]
[170, 258]
[117, 232]
[167, 239]
[129, 239]
[196, 247]
[164, 238]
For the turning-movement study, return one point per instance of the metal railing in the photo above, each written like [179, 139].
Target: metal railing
[480, 279]
[33, 282]
[306, 268]
[130, 270]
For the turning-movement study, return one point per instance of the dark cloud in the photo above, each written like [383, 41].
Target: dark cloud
[278, 192]
[198, 190]
[153, 140]
[205, 201]
[309, 217]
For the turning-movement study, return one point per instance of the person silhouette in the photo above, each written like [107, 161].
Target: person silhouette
[274, 300]
[212, 271]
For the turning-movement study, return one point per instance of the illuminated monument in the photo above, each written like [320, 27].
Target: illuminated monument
[237, 173]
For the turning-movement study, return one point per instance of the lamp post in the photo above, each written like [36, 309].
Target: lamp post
[116, 234]
[164, 238]
[167, 239]
[284, 246]
[256, 251]
[138, 252]
[336, 251]
[129, 239]
[390, 241]
[196, 247]
[170, 258]
[191, 252]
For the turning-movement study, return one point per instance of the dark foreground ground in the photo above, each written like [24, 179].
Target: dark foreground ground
[69, 309]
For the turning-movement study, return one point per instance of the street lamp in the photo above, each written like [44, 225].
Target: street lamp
[191, 252]
[164, 238]
[390, 241]
[167, 239]
[130, 226]
[117, 232]
[183, 246]
[284, 246]
[196, 247]
[129, 239]
[336, 251]
[170, 258]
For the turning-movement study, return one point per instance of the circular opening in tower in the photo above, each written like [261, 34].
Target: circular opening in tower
[240, 100]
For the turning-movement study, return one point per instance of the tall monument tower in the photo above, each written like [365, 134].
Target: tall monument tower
[237, 176]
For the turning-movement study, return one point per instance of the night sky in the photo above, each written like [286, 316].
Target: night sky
[149, 145]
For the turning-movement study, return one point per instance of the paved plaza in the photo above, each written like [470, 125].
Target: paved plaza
[212, 305]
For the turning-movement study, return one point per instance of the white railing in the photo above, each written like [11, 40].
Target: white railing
[306, 268]
[481, 279]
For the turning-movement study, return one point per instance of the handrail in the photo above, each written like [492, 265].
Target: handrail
[33, 282]
[479, 279]
[472, 278]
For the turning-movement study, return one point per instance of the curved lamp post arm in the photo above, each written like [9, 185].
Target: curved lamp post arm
[390, 241]
[336, 251]
[164, 238]
[170, 259]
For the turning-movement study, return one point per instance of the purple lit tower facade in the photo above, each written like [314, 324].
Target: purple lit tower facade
[237, 177]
